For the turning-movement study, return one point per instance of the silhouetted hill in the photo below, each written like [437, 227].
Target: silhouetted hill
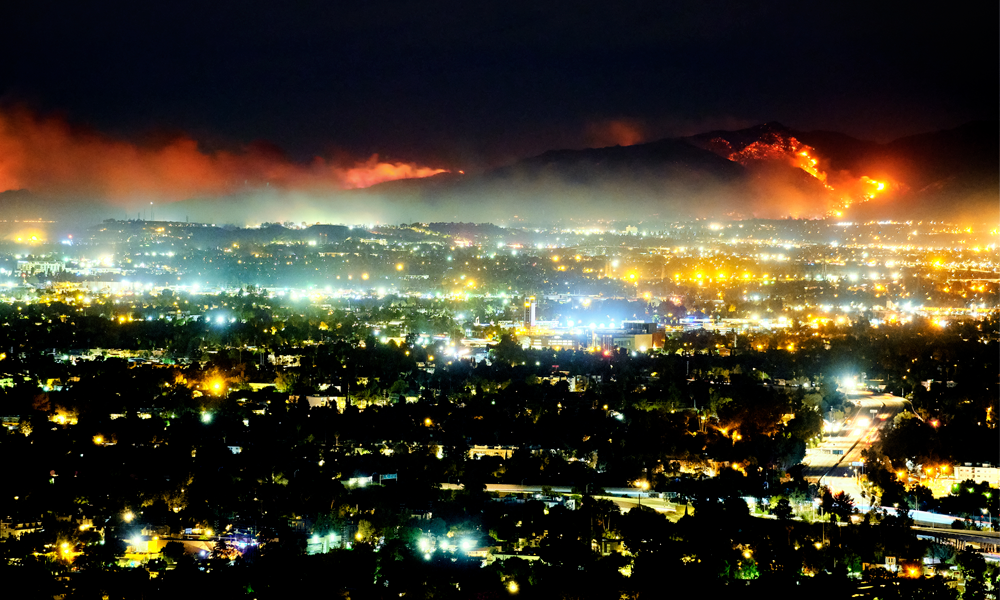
[841, 152]
[737, 140]
[766, 171]
[668, 157]
[972, 150]
[668, 177]
[952, 175]
[757, 171]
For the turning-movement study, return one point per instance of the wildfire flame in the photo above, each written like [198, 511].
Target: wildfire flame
[873, 187]
[805, 161]
[373, 171]
[777, 146]
[47, 155]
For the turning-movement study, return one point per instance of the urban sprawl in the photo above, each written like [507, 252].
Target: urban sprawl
[619, 409]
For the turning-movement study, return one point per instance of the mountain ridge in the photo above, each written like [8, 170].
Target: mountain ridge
[931, 173]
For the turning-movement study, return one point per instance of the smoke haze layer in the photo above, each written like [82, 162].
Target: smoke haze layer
[52, 170]
[53, 159]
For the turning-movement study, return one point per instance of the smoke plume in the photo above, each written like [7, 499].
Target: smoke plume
[615, 132]
[50, 157]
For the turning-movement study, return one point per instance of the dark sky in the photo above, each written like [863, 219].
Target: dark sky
[474, 83]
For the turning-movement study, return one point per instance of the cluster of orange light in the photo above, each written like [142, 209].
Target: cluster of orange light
[776, 145]
[872, 187]
[805, 161]
[866, 188]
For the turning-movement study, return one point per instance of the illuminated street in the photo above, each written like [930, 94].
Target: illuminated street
[837, 461]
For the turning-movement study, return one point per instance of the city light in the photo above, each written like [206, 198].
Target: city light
[631, 280]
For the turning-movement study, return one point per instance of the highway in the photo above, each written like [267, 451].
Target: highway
[987, 542]
[625, 498]
[867, 415]
[835, 461]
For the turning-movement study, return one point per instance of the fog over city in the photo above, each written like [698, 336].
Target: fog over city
[528, 300]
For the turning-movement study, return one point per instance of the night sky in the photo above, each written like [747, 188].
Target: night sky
[474, 84]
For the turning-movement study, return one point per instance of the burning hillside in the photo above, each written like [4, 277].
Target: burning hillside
[770, 143]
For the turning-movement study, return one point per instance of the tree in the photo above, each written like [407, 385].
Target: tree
[973, 567]
[508, 350]
[840, 505]
[806, 425]
[223, 552]
[747, 569]
[173, 550]
[782, 509]
[366, 531]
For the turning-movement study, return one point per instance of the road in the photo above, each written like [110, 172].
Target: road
[988, 542]
[625, 498]
[834, 462]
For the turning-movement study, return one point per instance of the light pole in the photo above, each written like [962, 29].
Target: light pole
[818, 504]
[822, 523]
[643, 485]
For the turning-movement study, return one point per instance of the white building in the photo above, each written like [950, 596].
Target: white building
[982, 473]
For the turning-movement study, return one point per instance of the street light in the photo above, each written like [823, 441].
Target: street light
[818, 504]
[643, 485]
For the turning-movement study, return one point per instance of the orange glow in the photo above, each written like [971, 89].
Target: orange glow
[48, 156]
[617, 132]
[24, 235]
[777, 146]
[373, 172]
[871, 188]
[804, 160]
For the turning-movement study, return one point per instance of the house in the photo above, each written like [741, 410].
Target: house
[504, 452]
[17, 528]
